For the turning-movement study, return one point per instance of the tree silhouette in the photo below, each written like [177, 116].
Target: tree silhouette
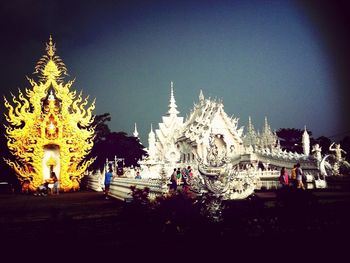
[108, 144]
[291, 139]
[324, 142]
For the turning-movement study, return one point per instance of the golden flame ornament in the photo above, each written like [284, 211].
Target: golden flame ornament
[49, 128]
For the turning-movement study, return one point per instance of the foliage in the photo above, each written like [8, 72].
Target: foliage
[291, 139]
[140, 196]
[108, 144]
[324, 142]
[168, 215]
[101, 128]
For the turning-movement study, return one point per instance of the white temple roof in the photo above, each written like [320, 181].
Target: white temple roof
[209, 116]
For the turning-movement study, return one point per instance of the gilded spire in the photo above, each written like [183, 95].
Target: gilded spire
[50, 48]
[51, 66]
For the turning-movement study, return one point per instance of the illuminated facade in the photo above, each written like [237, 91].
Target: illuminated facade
[49, 127]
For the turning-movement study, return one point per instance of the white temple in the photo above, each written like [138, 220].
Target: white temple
[212, 143]
[206, 119]
[226, 160]
[176, 141]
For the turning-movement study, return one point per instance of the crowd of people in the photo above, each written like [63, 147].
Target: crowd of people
[180, 177]
[295, 179]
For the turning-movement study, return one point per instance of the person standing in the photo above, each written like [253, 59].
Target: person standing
[299, 173]
[178, 176]
[173, 181]
[108, 179]
[293, 176]
[138, 176]
[284, 177]
[185, 180]
[55, 189]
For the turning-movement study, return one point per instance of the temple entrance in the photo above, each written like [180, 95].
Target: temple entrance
[51, 161]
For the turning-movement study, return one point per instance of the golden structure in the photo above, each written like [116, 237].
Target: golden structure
[49, 128]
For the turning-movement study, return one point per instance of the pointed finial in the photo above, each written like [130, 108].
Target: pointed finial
[201, 96]
[136, 134]
[50, 48]
[250, 126]
[172, 91]
[151, 133]
[266, 125]
[172, 103]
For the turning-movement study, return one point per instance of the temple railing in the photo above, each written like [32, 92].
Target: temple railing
[120, 187]
[93, 181]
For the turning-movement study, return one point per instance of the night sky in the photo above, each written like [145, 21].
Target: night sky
[287, 60]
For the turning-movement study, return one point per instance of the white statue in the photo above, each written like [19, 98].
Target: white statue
[316, 150]
[337, 151]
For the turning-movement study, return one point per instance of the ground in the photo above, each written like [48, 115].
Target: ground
[84, 224]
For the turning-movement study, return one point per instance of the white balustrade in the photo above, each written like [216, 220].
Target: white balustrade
[120, 187]
[93, 182]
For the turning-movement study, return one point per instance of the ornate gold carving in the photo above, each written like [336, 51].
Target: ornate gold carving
[49, 114]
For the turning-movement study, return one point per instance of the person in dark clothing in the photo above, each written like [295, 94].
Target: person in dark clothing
[173, 181]
[108, 179]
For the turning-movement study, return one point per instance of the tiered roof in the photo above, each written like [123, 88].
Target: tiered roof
[204, 119]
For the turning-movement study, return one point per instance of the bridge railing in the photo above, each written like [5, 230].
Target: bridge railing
[93, 181]
[120, 187]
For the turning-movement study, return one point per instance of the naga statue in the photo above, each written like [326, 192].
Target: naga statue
[221, 179]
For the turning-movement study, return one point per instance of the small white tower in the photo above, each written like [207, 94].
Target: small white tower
[306, 142]
[136, 133]
[152, 144]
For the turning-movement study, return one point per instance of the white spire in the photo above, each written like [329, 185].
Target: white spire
[136, 134]
[172, 104]
[151, 132]
[250, 126]
[266, 125]
[201, 96]
[250, 137]
[306, 142]
[151, 144]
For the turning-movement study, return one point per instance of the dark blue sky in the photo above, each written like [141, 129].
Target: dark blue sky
[262, 58]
